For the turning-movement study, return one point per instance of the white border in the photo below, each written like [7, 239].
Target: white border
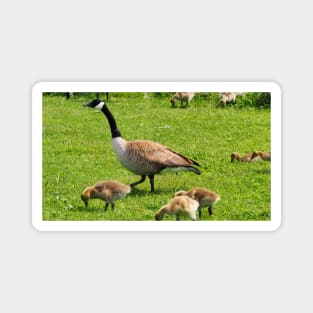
[276, 148]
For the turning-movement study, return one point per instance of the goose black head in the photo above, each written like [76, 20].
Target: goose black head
[96, 104]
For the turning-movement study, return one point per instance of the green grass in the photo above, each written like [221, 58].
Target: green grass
[77, 152]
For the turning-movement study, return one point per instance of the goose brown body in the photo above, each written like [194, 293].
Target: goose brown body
[203, 196]
[108, 191]
[144, 157]
[179, 206]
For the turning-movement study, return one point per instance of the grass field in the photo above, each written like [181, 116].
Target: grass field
[77, 152]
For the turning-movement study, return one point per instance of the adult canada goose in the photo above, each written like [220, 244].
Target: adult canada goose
[107, 190]
[143, 157]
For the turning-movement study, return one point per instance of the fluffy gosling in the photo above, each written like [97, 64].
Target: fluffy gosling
[183, 97]
[265, 156]
[179, 206]
[245, 158]
[227, 97]
[203, 196]
[108, 191]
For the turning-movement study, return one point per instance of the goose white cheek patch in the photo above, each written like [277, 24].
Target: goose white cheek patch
[83, 148]
[99, 105]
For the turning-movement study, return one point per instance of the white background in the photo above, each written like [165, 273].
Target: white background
[161, 41]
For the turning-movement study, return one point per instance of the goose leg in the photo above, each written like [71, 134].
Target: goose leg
[151, 178]
[210, 210]
[113, 206]
[143, 178]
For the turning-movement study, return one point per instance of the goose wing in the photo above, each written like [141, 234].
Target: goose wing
[158, 154]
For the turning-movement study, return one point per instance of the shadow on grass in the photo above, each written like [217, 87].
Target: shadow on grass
[92, 208]
[137, 192]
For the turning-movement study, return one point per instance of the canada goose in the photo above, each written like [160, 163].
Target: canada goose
[205, 197]
[183, 97]
[265, 156]
[108, 191]
[69, 94]
[245, 158]
[179, 206]
[143, 157]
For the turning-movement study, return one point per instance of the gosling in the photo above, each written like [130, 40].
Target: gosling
[183, 97]
[108, 191]
[245, 158]
[227, 97]
[265, 156]
[203, 196]
[179, 206]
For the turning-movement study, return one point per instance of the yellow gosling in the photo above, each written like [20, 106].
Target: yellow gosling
[227, 97]
[108, 191]
[265, 156]
[246, 158]
[179, 206]
[182, 97]
[203, 196]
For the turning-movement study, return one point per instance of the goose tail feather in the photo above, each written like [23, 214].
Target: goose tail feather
[185, 158]
[193, 169]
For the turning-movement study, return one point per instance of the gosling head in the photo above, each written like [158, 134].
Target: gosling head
[96, 104]
[160, 213]
[86, 194]
[234, 156]
[157, 217]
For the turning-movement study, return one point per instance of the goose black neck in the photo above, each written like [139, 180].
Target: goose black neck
[114, 130]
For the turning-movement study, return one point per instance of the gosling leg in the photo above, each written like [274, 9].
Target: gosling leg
[200, 213]
[112, 206]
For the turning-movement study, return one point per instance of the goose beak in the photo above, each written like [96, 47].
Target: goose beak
[87, 104]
